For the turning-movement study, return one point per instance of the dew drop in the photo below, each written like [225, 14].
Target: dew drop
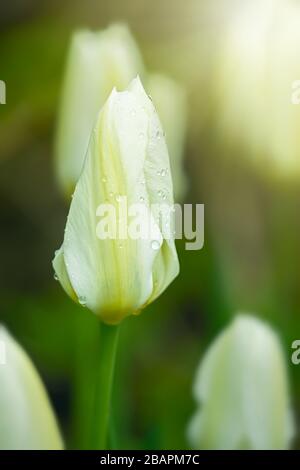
[157, 134]
[55, 276]
[155, 245]
[104, 179]
[82, 300]
[118, 198]
[142, 199]
[163, 172]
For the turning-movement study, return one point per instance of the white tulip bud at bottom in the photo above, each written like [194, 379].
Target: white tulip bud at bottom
[242, 392]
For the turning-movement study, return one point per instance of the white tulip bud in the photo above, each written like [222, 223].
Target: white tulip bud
[255, 85]
[97, 63]
[242, 392]
[127, 161]
[26, 418]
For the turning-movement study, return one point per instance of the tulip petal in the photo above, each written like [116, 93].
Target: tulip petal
[61, 272]
[170, 100]
[27, 421]
[158, 177]
[241, 387]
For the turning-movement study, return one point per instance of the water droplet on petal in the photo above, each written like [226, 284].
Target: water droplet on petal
[155, 245]
[104, 179]
[118, 198]
[82, 300]
[55, 276]
[142, 199]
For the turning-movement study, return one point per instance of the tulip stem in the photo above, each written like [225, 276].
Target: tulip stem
[107, 347]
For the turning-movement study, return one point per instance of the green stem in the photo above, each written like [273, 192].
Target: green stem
[104, 379]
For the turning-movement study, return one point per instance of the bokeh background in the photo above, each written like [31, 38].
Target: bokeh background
[251, 258]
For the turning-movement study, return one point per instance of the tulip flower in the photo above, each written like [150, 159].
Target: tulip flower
[127, 157]
[96, 63]
[119, 275]
[170, 101]
[27, 420]
[241, 390]
[254, 84]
